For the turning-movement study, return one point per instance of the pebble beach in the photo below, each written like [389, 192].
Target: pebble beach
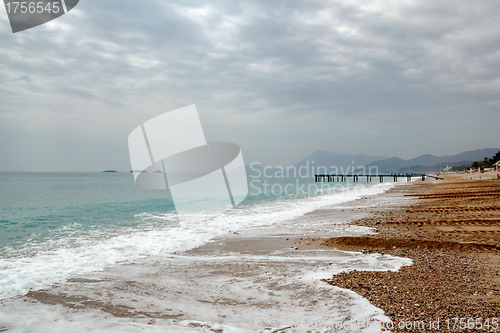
[451, 230]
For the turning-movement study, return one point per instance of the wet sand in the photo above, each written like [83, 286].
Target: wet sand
[240, 283]
[296, 277]
[256, 280]
[451, 231]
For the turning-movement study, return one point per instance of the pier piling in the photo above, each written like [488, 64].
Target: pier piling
[355, 178]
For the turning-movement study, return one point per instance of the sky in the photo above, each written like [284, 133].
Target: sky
[279, 78]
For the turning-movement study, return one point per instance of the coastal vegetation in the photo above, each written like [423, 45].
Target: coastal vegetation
[486, 163]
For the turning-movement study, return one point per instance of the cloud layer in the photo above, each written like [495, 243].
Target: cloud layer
[280, 78]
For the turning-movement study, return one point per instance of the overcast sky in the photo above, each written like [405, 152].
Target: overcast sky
[280, 78]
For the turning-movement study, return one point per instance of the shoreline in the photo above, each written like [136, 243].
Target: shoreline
[451, 231]
[259, 279]
[291, 277]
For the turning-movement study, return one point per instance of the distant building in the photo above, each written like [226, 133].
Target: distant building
[496, 166]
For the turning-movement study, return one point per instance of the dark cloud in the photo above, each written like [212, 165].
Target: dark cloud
[291, 76]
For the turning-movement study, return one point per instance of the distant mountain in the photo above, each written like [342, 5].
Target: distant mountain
[434, 168]
[332, 161]
[393, 164]
[431, 162]
[317, 162]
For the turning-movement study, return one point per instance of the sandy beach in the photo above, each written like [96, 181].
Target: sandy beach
[254, 280]
[451, 231]
[249, 166]
[419, 255]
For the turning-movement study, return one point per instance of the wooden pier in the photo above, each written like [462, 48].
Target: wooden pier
[395, 176]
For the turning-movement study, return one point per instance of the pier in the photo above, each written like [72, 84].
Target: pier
[395, 176]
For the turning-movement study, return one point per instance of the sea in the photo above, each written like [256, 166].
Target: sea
[55, 226]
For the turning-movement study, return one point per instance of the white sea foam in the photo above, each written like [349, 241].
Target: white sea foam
[37, 317]
[37, 266]
[278, 293]
[266, 300]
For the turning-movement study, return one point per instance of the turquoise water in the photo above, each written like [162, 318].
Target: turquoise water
[37, 206]
[57, 225]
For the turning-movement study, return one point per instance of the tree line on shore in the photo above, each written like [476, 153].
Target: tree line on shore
[486, 163]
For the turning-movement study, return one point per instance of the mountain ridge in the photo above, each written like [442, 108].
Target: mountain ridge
[432, 162]
[325, 158]
[324, 161]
